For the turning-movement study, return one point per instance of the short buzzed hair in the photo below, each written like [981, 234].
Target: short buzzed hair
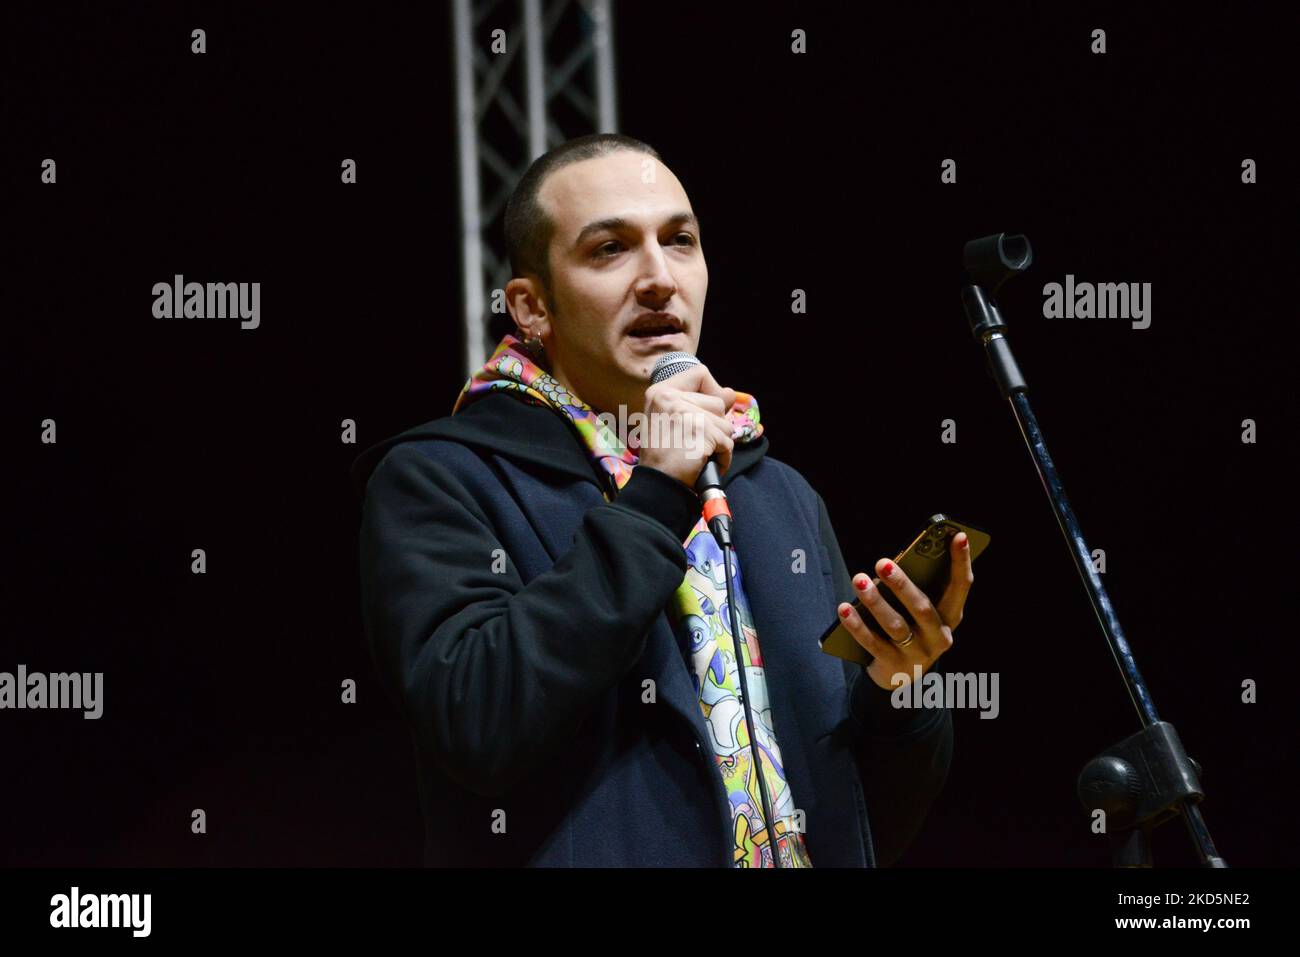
[528, 229]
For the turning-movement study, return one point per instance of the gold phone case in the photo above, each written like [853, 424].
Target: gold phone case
[926, 562]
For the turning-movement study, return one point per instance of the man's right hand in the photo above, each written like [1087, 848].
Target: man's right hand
[686, 424]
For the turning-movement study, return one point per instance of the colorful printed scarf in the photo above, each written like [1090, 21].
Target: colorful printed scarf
[698, 612]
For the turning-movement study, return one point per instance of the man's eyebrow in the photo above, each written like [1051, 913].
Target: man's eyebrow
[618, 222]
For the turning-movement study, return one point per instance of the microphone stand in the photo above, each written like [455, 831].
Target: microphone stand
[1146, 779]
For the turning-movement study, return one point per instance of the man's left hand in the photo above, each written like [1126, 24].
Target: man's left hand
[934, 625]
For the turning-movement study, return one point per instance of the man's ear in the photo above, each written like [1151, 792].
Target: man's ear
[526, 301]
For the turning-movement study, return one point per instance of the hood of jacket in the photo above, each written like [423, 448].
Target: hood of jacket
[529, 434]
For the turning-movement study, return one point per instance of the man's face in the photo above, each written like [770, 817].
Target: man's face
[625, 248]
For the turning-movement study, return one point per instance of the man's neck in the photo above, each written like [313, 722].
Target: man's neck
[632, 401]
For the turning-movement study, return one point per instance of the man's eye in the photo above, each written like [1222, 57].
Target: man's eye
[690, 240]
[612, 246]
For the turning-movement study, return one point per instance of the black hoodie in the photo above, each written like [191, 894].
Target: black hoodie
[518, 622]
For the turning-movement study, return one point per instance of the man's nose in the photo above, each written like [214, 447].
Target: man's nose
[656, 280]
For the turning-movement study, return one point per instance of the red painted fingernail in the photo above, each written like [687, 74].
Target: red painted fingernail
[862, 584]
[844, 612]
[888, 570]
[965, 542]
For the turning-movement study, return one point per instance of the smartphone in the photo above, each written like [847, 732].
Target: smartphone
[926, 562]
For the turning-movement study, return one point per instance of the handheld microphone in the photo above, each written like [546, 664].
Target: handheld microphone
[709, 483]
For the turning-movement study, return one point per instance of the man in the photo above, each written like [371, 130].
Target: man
[548, 609]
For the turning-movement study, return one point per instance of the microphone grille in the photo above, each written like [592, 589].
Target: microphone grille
[671, 363]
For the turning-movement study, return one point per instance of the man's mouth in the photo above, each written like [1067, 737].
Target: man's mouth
[655, 325]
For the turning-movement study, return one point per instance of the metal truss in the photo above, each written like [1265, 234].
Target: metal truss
[554, 81]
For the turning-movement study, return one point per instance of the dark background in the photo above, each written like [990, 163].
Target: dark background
[818, 172]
